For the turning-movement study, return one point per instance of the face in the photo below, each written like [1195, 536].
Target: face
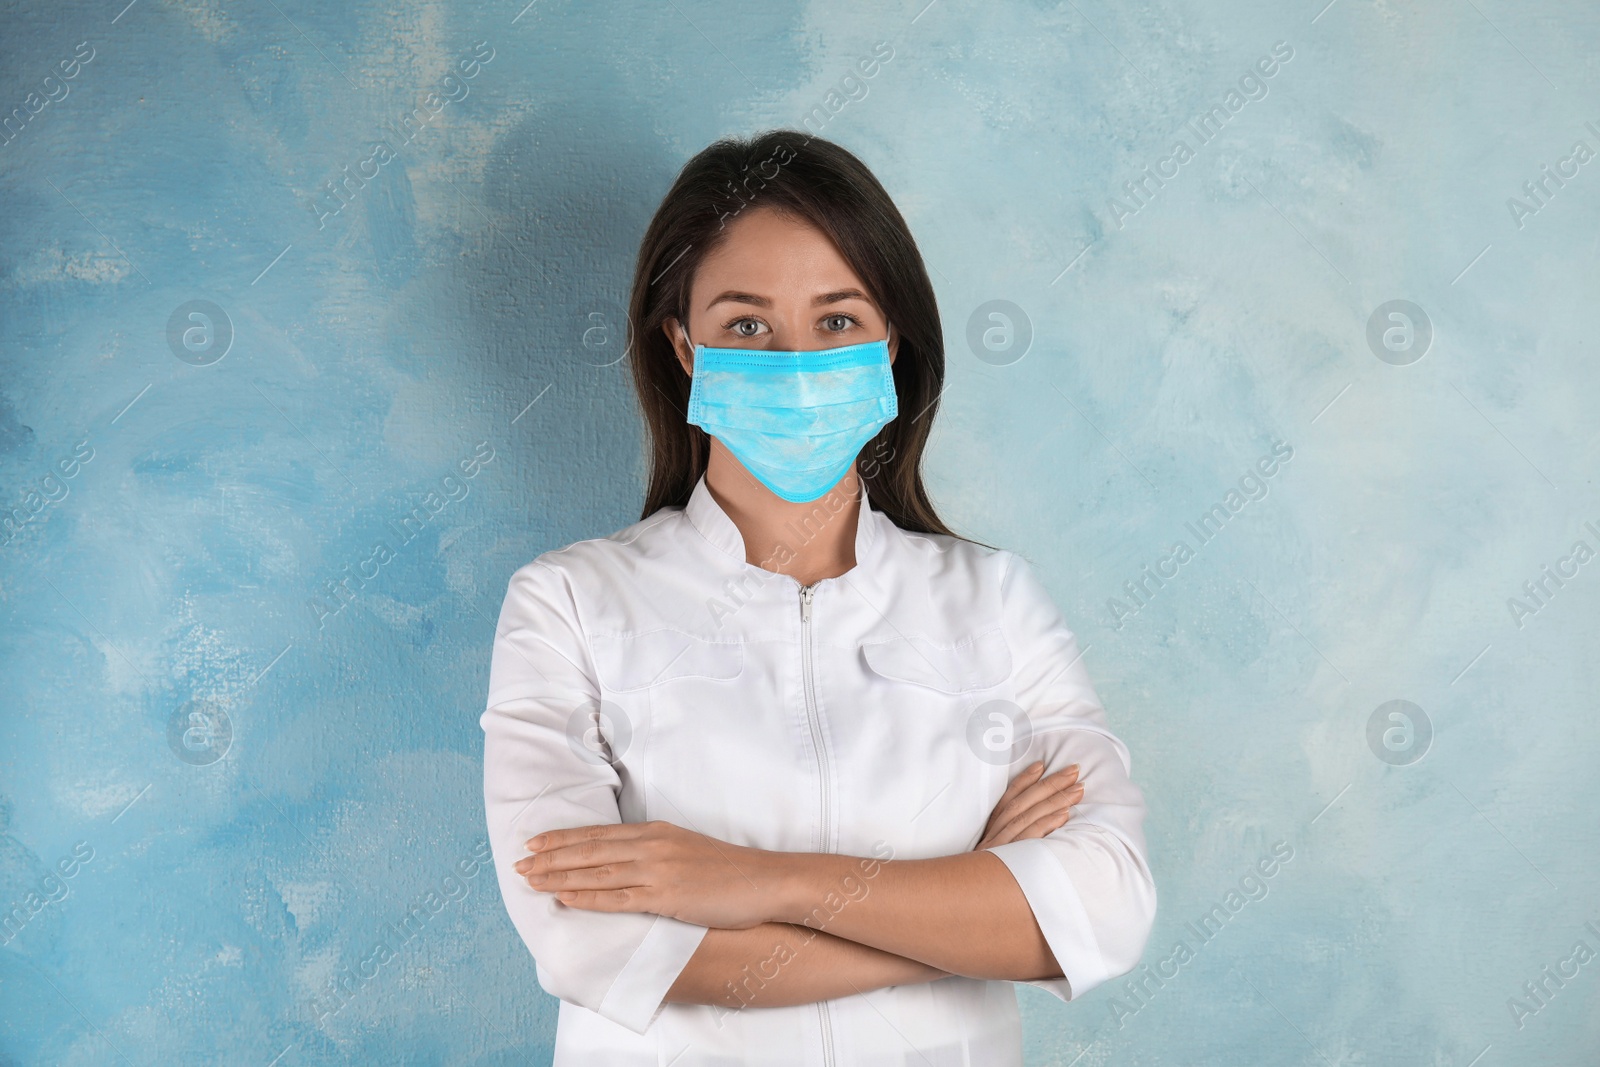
[777, 283]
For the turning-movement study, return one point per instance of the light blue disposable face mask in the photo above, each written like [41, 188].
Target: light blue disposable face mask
[796, 420]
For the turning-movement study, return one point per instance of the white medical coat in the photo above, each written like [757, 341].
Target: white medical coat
[868, 725]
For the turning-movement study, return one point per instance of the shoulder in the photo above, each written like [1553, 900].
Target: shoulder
[602, 560]
[946, 552]
[964, 569]
[976, 573]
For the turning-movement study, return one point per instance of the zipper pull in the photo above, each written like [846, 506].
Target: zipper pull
[805, 603]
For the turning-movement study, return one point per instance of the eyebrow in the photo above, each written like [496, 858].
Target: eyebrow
[735, 297]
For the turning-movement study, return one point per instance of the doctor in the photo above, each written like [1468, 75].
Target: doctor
[751, 764]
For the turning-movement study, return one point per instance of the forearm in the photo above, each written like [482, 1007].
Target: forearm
[962, 914]
[777, 964]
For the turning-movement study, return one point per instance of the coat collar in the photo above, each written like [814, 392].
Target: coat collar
[712, 523]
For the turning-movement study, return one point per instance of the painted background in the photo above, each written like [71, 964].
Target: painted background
[248, 776]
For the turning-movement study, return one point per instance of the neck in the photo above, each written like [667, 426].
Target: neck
[807, 541]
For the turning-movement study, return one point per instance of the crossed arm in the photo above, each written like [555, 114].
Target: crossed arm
[832, 924]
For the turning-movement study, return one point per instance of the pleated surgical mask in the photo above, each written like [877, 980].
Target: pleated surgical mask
[796, 420]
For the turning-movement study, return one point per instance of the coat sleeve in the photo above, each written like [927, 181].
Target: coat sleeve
[1088, 882]
[619, 964]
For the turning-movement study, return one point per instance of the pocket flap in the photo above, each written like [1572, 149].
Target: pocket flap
[633, 661]
[977, 663]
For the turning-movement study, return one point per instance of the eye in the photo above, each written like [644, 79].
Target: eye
[839, 322]
[745, 327]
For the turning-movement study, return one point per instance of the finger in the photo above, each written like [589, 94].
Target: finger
[1056, 802]
[1046, 824]
[1069, 773]
[1026, 777]
[602, 832]
[579, 854]
[1021, 830]
[1044, 789]
[1037, 822]
[610, 876]
[1062, 779]
[605, 900]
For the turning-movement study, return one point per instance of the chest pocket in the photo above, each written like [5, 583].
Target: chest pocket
[634, 661]
[979, 663]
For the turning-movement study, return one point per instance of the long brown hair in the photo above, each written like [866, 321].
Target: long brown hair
[818, 181]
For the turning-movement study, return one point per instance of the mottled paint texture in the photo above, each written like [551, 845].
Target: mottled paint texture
[420, 392]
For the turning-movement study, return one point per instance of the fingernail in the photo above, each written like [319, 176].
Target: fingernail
[535, 842]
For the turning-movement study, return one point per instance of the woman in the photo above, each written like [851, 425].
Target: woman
[746, 761]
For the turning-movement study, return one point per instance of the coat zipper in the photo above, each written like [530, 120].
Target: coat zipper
[822, 773]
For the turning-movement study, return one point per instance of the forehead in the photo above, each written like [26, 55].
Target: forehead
[774, 254]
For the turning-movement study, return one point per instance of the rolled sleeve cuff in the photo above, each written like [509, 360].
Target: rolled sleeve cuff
[639, 993]
[1062, 918]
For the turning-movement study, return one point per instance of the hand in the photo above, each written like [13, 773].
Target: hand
[655, 867]
[1031, 806]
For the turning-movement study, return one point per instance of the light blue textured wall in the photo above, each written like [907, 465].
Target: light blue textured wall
[179, 518]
